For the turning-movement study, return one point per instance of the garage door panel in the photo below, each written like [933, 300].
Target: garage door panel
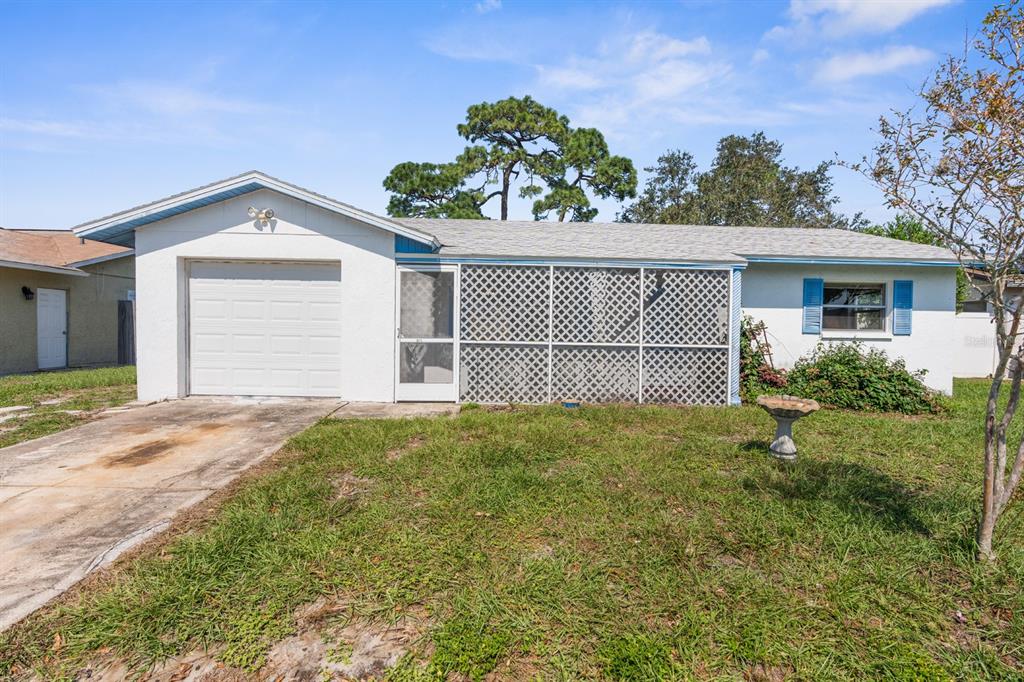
[242, 310]
[325, 346]
[286, 311]
[210, 343]
[287, 345]
[265, 329]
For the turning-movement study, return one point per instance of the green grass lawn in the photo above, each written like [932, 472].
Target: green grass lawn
[613, 542]
[73, 397]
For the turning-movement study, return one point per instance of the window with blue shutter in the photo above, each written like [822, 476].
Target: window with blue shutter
[902, 306]
[813, 296]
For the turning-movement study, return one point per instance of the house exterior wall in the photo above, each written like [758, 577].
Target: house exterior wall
[974, 345]
[299, 231]
[92, 314]
[773, 293]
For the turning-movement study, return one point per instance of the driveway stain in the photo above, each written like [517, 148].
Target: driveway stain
[145, 453]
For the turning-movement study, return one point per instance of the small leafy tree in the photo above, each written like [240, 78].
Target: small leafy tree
[957, 166]
[747, 184]
[514, 139]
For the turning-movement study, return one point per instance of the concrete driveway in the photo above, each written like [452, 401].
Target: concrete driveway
[73, 501]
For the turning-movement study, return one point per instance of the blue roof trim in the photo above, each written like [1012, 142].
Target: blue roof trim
[452, 260]
[855, 261]
[404, 244]
[123, 233]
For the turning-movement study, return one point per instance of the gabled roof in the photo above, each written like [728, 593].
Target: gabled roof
[119, 228]
[53, 251]
[518, 239]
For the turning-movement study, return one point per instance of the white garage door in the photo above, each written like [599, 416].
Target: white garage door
[265, 329]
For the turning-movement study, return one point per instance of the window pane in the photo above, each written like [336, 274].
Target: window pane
[854, 295]
[853, 318]
[425, 363]
[426, 300]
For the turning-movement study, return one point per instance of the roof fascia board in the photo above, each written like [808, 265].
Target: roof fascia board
[590, 262]
[16, 265]
[853, 261]
[102, 259]
[85, 229]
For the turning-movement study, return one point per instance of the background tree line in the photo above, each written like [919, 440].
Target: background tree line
[519, 147]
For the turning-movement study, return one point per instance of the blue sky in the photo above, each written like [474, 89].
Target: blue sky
[108, 105]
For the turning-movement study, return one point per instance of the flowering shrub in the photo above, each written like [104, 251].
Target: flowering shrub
[843, 375]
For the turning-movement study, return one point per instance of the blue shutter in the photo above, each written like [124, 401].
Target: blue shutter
[902, 306]
[814, 293]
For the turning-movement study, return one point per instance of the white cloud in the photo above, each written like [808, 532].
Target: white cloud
[760, 55]
[835, 18]
[170, 99]
[485, 6]
[48, 128]
[639, 79]
[651, 46]
[844, 67]
[569, 77]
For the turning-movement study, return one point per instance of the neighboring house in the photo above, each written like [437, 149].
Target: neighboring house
[974, 337]
[59, 300]
[253, 286]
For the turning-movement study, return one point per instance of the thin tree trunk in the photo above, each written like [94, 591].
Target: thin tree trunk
[995, 437]
[506, 185]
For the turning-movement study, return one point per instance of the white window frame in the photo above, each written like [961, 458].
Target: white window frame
[885, 329]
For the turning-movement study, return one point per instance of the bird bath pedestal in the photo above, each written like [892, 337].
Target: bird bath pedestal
[785, 409]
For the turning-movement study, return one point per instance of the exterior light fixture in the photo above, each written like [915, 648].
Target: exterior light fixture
[263, 216]
[28, 293]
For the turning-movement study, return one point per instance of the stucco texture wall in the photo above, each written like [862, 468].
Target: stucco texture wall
[92, 314]
[299, 232]
[773, 293]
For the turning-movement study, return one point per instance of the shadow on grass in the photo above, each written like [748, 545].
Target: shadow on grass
[853, 488]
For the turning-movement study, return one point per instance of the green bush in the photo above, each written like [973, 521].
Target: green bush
[843, 375]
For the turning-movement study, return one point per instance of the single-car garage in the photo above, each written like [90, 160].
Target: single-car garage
[264, 328]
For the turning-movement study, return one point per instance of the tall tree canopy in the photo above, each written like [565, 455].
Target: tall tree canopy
[514, 138]
[747, 184]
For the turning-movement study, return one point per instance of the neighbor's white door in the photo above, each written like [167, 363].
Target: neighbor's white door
[427, 353]
[52, 328]
[265, 329]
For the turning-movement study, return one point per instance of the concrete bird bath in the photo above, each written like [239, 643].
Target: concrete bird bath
[785, 409]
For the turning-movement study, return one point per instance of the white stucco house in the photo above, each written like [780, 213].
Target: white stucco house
[254, 286]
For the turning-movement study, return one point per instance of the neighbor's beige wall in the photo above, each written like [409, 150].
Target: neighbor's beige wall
[92, 314]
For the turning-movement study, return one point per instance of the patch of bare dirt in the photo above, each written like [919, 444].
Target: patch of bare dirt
[410, 445]
[348, 486]
[327, 646]
[767, 673]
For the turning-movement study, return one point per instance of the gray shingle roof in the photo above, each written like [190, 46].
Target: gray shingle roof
[670, 243]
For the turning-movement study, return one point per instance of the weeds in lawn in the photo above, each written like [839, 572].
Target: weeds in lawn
[616, 542]
[60, 400]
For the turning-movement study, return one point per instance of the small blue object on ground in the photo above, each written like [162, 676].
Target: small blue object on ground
[570, 404]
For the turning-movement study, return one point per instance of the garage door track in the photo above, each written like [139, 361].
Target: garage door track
[73, 501]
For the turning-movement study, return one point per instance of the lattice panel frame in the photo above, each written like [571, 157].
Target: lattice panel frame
[505, 303]
[503, 373]
[596, 374]
[596, 305]
[529, 334]
[734, 340]
[686, 307]
[691, 376]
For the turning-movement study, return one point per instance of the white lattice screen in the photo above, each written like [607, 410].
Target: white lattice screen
[534, 334]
